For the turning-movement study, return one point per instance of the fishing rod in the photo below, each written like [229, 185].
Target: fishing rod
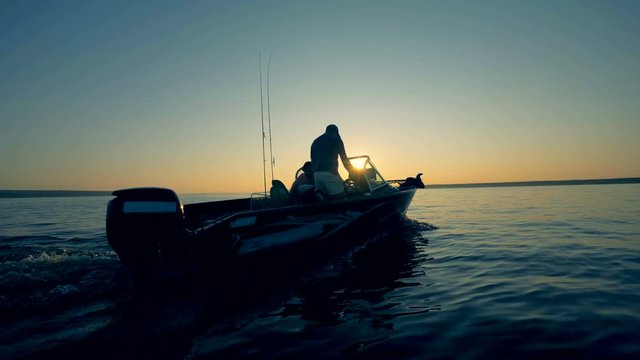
[273, 159]
[264, 160]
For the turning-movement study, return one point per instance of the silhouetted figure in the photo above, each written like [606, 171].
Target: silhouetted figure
[303, 189]
[304, 176]
[324, 157]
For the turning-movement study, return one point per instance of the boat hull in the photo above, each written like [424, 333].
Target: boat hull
[226, 234]
[303, 233]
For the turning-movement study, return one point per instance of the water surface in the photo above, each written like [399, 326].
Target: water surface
[526, 272]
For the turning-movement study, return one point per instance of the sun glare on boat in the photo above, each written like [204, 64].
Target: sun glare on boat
[358, 163]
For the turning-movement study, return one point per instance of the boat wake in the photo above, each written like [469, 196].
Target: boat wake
[419, 225]
[92, 290]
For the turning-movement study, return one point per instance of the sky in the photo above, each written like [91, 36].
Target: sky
[101, 95]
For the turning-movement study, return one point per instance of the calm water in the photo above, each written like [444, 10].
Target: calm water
[527, 272]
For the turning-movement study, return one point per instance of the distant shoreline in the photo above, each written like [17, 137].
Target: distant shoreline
[13, 194]
[540, 183]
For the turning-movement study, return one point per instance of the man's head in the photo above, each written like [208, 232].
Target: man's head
[332, 129]
[307, 167]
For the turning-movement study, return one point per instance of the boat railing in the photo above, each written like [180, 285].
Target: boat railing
[367, 175]
[258, 201]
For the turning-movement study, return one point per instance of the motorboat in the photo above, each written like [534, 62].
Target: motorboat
[148, 227]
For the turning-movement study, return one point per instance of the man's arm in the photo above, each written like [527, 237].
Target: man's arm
[345, 158]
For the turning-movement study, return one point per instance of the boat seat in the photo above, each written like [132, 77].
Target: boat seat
[279, 194]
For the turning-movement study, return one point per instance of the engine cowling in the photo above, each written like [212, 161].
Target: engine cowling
[141, 222]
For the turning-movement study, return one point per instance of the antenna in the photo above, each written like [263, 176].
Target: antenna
[264, 160]
[273, 160]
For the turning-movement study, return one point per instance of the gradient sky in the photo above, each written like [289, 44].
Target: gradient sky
[108, 94]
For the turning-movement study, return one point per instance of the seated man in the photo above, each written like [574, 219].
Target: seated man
[305, 178]
[324, 158]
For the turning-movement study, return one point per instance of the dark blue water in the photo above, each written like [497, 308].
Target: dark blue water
[527, 272]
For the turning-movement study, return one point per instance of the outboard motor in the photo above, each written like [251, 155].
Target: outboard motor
[141, 222]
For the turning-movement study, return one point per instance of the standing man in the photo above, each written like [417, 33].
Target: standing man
[324, 157]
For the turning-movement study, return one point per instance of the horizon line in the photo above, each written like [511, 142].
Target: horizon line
[603, 181]
[8, 193]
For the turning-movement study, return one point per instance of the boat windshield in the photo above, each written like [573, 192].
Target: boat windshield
[372, 175]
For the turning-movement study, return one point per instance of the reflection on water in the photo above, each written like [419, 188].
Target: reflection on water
[365, 287]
